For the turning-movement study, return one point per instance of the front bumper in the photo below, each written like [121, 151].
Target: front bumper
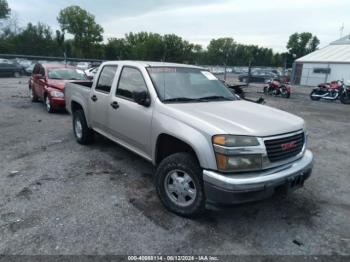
[230, 189]
[58, 102]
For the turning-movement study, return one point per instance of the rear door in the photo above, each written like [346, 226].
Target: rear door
[41, 82]
[130, 123]
[100, 98]
[35, 80]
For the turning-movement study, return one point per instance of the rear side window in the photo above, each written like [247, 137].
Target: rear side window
[42, 71]
[36, 69]
[105, 80]
[131, 80]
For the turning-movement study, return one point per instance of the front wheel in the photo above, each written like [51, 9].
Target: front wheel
[83, 134]
[179, 185]
[314, 98]
[345, 99]
[266, 90]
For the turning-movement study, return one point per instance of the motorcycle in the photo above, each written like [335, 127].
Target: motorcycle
[275, 87]
[332, 91]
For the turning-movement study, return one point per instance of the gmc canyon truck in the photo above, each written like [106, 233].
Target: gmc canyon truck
[209, 147]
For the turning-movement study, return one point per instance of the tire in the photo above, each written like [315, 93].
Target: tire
[34, 98]
[186, 198]
[285, 93]
[345, 99]
[83, 134]
[314, 98]
[48, 106]
[265, 90]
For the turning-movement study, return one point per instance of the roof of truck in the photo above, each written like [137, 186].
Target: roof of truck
[151, 64]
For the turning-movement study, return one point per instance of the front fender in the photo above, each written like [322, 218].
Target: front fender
[199, 141]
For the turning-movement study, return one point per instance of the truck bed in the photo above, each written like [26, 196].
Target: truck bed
[78, 92]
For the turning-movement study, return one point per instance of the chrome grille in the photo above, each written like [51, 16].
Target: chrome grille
[283, 148]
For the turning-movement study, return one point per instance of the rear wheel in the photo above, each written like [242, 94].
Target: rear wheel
[284, 92]
[179, 185]
[345, 98]
[32, 95]
[313, 97]
[48, 104]
[83, 134]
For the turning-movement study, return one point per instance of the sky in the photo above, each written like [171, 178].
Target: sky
[265, 23]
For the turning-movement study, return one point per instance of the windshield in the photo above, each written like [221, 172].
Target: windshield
[66, 74]
[177, 84]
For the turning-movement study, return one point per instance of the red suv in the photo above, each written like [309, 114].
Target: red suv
[47, 83]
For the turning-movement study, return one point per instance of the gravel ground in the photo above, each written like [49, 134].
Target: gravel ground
[58, 197]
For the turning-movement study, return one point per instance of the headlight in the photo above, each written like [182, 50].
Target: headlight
[238, 163]
[237, 153]
[56, 94]
[235, 141]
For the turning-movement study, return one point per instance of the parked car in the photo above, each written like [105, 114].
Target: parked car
[10, 70]
[5, 61]
[257, 76]
[47, 84]
[91, 72]
[29, 69]
[83, 65]
[208, 146]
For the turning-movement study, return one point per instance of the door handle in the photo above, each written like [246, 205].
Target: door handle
[94, 98]
[115, 105]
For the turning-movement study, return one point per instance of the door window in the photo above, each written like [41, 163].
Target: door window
[131, 81]
[106, 78]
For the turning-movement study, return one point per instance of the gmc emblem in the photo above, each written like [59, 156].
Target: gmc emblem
[289, 145]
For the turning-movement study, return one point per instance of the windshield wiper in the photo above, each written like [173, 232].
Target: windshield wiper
[214, 98]
[180, 99]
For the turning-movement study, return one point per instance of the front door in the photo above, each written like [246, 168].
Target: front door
[129, 121]
[100, 98]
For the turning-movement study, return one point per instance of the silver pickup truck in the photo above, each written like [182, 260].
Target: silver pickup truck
[208, 146]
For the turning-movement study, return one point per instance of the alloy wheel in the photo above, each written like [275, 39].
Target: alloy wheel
[78, 128]
[180, 188]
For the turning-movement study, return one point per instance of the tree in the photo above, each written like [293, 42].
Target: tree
[145, 46]
[302, 44]
[4, 9]
[36, 40]
[221, 51]
[81, 24]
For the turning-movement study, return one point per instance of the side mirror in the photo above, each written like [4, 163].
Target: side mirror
[142, 98]
[90, 78]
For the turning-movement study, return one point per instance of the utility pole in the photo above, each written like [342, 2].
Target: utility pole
[341, 30]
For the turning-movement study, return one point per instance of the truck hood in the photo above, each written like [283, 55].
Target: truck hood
[236, 117]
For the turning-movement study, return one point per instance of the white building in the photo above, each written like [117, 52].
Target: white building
[324, 65]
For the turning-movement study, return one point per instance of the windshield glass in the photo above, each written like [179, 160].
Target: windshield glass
[180, 84]
[66, 74]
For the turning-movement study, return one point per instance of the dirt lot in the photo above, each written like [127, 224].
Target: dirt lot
[58, 197]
